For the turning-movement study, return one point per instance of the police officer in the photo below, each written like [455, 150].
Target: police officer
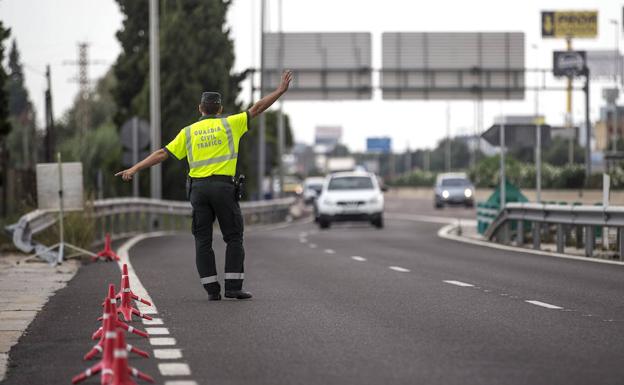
[211, 149]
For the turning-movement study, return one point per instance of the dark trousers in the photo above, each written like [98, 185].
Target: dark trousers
[214, 199]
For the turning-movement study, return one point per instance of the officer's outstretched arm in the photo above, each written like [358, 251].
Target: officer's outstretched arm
[261, 105]
[155, 157]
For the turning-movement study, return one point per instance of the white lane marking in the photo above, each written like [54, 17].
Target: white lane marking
[302, 240]
[157, 331]
[422, 218]
[330, 251]
[174, 369]
[180, 383]
[445, 233]
[358, 258]
[168, 354]
[162, 341]
[399, 269]
[153, 321]
[543, 304]
[312, 245]
[459, 283]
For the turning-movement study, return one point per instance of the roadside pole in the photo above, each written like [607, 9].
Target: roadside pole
[262, 122]
[502, 164]
[154, 54]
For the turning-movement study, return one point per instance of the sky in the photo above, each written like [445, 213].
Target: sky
[48, 31]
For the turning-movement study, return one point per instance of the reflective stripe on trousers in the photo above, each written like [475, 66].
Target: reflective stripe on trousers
[219, 159]
[234, 275]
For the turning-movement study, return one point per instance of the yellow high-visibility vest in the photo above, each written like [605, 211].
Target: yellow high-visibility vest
[210, 145]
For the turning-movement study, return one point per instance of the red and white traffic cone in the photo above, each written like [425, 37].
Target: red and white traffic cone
[124, 273]
[107, 254]
[100, 346]
[121, 369]
[115, 321]
[126, 296]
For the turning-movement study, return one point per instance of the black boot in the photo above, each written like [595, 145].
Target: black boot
[238, 294]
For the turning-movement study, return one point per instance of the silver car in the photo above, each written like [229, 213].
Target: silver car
[453, 189]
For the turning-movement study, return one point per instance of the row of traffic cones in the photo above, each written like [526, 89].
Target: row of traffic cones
[113, 366]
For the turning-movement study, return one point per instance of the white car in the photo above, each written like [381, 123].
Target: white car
[312, 187]
[350, 196]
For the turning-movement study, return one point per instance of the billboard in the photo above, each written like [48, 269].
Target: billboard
[379, 145]
[327, 66]
[569, 63]
[569, 24]
[453, 65]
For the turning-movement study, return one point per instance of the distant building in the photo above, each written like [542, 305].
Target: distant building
[603, 129]
[326, 138]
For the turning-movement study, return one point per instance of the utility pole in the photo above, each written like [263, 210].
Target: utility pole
[538, 133]
[50, 140]
[262, 122]
[154, 75]
[280, 113]
[568, 117]
[447, 158]
[616, 67]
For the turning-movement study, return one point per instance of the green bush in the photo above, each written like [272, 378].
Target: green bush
[416, 178]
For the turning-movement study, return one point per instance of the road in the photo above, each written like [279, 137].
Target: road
[357, 305]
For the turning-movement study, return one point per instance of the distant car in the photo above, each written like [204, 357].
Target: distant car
[292, 186]
[312, 187]
[350, 196]
[453, 189]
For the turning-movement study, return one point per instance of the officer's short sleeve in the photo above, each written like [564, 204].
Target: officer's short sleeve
[239, 123]
[177, 147]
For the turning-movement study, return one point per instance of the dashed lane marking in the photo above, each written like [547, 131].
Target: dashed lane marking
[162, 341]
[153, 321]
[460, 283]
[174, 369]
[399, 269]
[329, 251]
[544, 304]
[358, 258]
[168, 354]
[180, 383]
[157, 331]
[312, 245]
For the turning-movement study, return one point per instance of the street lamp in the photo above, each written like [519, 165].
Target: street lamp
[538, 132]
[616, 68]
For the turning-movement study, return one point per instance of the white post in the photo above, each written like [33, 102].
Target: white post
[61, 211]
[154, 54]
[502, 165]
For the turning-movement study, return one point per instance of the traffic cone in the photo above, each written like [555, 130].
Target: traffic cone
[121, 369]
[126, 296]
[124, 273]
[100, 346]
[107, 254]
[115, 321]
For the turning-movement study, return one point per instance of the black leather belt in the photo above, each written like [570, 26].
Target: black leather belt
[215, 178]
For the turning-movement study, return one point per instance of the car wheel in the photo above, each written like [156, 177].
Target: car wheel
[378, 222]
[324, 223]
[438, 206]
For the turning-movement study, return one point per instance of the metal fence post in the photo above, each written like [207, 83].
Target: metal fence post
[537, 235]
[560, 238]
[520, 233]
[579, 236]
[620, 235]
[590, 238]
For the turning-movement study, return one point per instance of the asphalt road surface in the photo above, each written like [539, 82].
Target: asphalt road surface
[357, 305]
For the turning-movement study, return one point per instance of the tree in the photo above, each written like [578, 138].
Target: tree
[23, 139]
[5, 125]
[196, 54]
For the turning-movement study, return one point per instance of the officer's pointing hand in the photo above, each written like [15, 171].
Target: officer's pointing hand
[126, 175]
[287, 77]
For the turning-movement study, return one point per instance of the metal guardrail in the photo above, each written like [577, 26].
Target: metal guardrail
[568, 225]
[129, 216]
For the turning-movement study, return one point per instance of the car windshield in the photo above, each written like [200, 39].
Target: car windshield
[454, 182]
[314, 186]
[351, 183]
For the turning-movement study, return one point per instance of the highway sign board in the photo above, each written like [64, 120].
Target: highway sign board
[379, 145]
[327, 66]
[569, 24]
[517, 135]
[48, 187]
[569, 63]
[126, 133]
[453, 65]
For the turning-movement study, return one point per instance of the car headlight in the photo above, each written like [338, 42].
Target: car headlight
[467, 193]
[445, 194]
[374, 199]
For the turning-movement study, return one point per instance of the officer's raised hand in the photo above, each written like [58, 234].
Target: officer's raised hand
[266, 102]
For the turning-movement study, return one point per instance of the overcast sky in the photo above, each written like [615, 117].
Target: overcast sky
[48, 31]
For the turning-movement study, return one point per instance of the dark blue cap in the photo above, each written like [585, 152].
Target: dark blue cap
[210, 97]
